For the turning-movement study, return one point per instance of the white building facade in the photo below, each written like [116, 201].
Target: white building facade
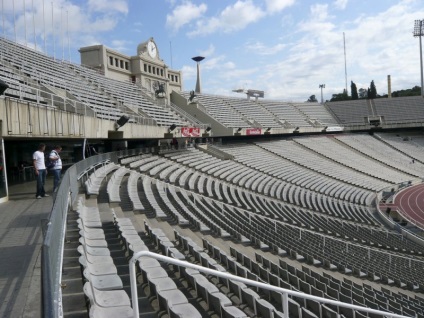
[145, 68]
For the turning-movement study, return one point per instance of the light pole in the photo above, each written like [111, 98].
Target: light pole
[198, 59]
[419, 31]
[322, 96]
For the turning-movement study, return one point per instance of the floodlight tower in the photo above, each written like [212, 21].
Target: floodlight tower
[322, 96]
[198, 59]
[419, 31]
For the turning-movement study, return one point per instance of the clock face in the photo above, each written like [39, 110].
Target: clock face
[151, 49]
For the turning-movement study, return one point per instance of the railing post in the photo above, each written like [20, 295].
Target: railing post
[134, 292]
[285, 305]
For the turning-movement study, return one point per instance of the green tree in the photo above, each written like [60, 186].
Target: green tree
[373, 90]
[353, 90]
[340, 97]
[414, 91]
[312, 99]
[362, 92]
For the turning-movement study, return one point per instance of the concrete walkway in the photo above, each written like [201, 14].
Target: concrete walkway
[21, 238]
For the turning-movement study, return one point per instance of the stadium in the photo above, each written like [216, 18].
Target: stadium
[176, 203]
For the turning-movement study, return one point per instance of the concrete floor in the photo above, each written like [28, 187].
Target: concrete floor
[21, 238]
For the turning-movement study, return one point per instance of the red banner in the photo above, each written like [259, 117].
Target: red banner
[190, 132]
[253, 131]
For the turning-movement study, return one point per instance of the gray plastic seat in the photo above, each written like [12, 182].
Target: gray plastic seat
[264, 308]
[217, 301]
[232, 312]
[104, 282]
[108, 298]
[112, 312]
[183, 310]
[167, 298]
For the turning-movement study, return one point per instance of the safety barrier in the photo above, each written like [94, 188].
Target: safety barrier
[285, 292]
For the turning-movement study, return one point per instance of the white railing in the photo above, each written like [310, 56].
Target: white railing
[285, 292]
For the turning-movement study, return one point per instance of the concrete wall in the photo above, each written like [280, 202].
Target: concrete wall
[20, 119]
[92, 56]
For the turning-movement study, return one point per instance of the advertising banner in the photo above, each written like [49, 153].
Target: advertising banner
[190, 132]
[253, 131]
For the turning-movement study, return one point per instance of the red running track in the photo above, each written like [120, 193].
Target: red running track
[410, 203]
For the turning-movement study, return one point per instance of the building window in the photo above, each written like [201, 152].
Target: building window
[110, 60]
[161, 72]
[121, 64]
[150, 69]
[172, 77]
[145, 67]
[154, 70]
[126, 65]
[176, 78]
[116, 62]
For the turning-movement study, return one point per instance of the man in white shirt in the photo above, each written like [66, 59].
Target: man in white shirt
[40, 171]
[57, 168]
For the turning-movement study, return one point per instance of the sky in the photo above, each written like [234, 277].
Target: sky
[287, 48]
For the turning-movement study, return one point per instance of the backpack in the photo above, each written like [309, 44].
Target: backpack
[50, 164]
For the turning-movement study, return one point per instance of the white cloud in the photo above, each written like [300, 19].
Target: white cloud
[189, 72]
[233, 18]
[341, 4]
[184, 14]
[262, 49]
[209, 51]
[319, 12]
[213, 63]
[376, 45]
[274, 6]
[121, 45]
[108, 6]
[171, 2]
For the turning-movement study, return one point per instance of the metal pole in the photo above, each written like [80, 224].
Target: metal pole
[2, 17]
[33, 25]
[44, 25]
[418, 31]
[134, 292]
[14, 19]
[61, 32]
[421, 59]
[25, 25]
[344, 47]
[54, 44]
[67, 31]
[285, 305]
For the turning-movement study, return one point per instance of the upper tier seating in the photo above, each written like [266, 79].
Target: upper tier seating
[400, 109]
[220, 110]
[110, 99]
[286, 113]
[245, 113]
[352, 112]
[316, 113]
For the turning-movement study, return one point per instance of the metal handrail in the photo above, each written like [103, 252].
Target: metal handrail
[285, 292]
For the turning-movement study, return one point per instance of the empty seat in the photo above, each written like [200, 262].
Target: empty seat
[183, 311]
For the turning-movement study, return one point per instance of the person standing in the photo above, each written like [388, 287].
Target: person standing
[40, 171]
[57, 168]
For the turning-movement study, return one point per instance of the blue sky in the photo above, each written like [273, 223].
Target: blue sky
[285, 47]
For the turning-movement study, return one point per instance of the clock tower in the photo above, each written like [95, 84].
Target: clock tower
[148, 49]
[146, 68]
